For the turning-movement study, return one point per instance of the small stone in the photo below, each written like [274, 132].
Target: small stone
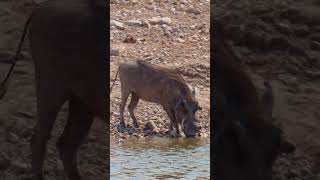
[146, 24]
[284, 28]
[114, 52]
[315, 45]
[193, 11]
[133, 22]
[160, 21]
[120, 141]
[312, 74]
[193, 27]
[11, 137]
[184, 1]
[151, 126]
[181, 40]
[117, 24]
[19, 166]
[129, 39]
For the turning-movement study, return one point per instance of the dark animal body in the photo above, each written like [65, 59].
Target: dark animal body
[68, 44]
[160, 85]
[245, 141]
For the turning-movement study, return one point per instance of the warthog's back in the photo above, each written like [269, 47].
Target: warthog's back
[151, 82]
[68, 47]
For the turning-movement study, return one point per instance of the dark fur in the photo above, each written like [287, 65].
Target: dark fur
[68, 47]
[245, 141]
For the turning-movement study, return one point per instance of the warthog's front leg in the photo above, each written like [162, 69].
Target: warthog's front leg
[173, 122]
[124, 96]
[133, 104]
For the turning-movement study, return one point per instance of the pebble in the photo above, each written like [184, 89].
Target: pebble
[160, 20]
[19, 167]
[315, 45]
[117, 24]
[129, 39]
[193, 11]
[133, 22]
[114, 52]
[151, 126]
[146, 24]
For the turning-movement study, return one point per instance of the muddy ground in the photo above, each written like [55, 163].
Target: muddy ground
[172, 34]
[280, 41]
[18, 111]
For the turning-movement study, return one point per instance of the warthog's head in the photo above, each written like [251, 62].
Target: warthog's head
[185, 112]
[247, 151]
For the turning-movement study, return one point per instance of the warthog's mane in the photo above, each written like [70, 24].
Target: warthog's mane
[237, 85]
[171, 74]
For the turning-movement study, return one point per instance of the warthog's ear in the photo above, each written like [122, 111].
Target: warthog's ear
[181, 104]
[267, 101]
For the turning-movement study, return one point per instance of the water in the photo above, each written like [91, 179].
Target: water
[161, 158]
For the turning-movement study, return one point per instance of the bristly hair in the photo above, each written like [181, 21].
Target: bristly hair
[172, 74]
[237, 85]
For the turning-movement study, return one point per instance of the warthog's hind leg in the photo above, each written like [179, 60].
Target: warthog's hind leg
[124, 96]
[48, 106]
[133, 104]
[79, 122]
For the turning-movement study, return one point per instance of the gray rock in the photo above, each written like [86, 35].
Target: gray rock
[193, 11]
[117, 24]
[160, 21]
[114, 52]
[133, 22]
[151, 126]
[19, 167]
[315, 45]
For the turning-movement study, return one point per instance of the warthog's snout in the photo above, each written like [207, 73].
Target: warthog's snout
[193, 133]
[191, 130]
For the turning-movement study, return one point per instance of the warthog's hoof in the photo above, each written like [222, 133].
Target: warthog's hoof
[173, 133]
[136, 125]
[122, 125]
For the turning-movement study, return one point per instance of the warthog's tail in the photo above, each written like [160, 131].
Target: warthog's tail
[5, 83]
[115, 78]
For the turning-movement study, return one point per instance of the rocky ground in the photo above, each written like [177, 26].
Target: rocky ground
[18, 111]
[173, 34]
[279, 40]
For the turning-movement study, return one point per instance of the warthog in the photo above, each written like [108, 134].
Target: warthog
[159, 85]
[245, 141]
[68, 44]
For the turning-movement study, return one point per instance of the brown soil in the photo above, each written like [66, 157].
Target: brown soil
[18, 110]
[278, 40]
[182, 44]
